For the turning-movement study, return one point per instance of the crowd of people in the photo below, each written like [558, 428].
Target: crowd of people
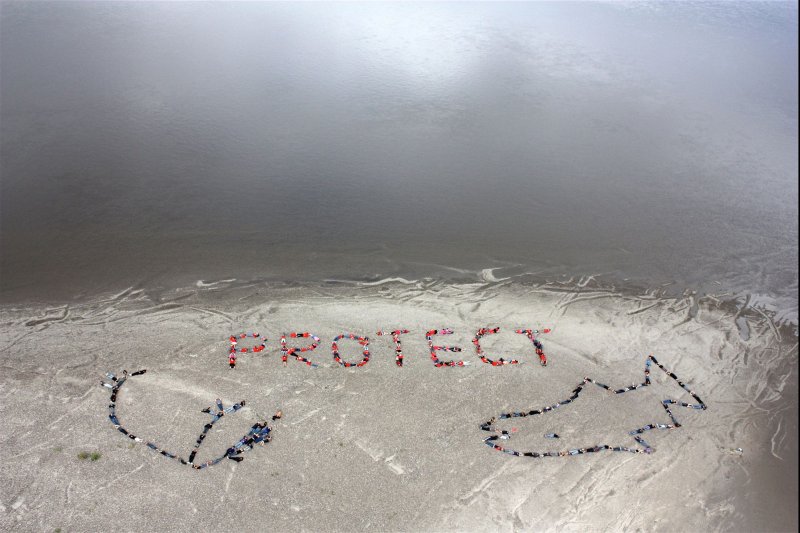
[260, 432]
[297, 351]
[493, 441]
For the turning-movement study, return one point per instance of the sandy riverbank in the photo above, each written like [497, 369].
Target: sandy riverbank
[397, 449]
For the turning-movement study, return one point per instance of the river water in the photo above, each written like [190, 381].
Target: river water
[157, 144]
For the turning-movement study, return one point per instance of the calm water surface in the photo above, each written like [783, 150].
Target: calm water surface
[162, 143]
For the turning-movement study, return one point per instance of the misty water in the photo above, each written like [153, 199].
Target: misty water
[157, 144]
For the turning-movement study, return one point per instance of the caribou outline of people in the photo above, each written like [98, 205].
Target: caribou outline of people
[259, 433]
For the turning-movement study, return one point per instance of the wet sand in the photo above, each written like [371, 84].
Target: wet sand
[398, 449]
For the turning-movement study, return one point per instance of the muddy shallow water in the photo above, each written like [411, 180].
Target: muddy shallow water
[157, 144]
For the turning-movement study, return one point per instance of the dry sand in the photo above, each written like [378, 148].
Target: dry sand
[397, 449]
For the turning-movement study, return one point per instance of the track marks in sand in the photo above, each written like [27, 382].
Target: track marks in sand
[46, 319]
[178, 386]
[776, 440]
[209, 285]
[15, 341]
[396, 468]
[158, 309]
[173, 494]
[130, 303]
[228, 481]
[118, 478]
[483, 486]
[377, 455]
[641, 309]
[213, 312]
[306, 417]
[80, 405]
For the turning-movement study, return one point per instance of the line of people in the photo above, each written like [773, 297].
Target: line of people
[363, 341]
[531, 334]
[261, 343]
[477, 342]
[435, 348]
[295, 351]
[398, 348]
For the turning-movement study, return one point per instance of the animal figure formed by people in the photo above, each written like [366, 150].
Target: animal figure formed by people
[259, 433]
[492, 441]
